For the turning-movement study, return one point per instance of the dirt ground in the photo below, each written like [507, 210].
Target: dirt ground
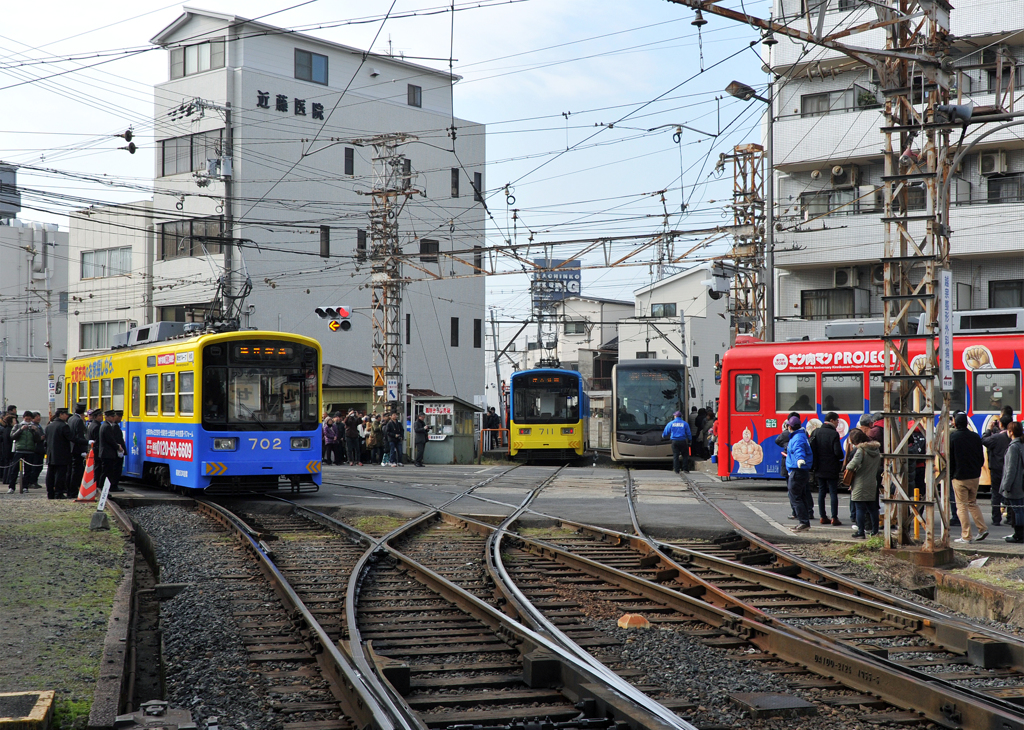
[57, 583]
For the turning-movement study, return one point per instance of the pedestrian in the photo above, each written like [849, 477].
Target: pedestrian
[799, 462]
[866, 462]
[678, 430]
[6, 446]
[79, 447]
[352, 446]
[34, 470]
[376, 434]
[966, 457]
[420, 430]
[25, 436]
[996, 442]
[92, 433]
[917, 446]
[112, 450]
[1012, 485]
[59, 445]
[782, 440]
[393, 433]
[828, 462]
[365, 432]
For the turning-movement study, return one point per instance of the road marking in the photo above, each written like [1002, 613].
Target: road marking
[778, 526]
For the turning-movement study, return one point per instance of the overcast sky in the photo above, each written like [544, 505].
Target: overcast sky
[544, 75]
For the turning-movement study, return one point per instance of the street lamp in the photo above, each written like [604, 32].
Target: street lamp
[746, 93]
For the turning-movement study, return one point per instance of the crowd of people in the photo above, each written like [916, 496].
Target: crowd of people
[357, 439]
[65, 445]
[814, 457]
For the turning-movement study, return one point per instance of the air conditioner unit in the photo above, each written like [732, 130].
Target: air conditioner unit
[845, 176]
[878, 274]
[844, 277]
[992, 163]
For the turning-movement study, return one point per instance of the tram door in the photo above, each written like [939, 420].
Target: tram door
[134, 437]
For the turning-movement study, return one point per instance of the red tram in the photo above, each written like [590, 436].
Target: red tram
[763, 382]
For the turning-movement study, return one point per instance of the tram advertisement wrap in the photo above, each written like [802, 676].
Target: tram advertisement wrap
[177, 449]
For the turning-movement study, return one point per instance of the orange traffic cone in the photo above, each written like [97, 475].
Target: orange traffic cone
[87, 492]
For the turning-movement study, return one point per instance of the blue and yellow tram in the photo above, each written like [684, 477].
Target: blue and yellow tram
[550, 414]
[216, 411]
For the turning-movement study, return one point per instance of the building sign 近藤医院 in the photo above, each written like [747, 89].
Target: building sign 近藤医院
[559, 279]
[283, 104]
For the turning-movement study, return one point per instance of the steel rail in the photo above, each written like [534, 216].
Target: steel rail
[360, 694]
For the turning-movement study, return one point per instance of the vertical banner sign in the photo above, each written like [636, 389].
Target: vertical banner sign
[946, 329]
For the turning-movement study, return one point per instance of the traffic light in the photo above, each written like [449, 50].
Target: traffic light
[338, 315]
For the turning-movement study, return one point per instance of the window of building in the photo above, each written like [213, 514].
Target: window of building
[1006, 294]
[748, 393]
[167, 394]
[794, 393]
[696, 361]
[844, 201]
[106, 262]
[196, 237]
[1006, 188]
[99, 335]
[994, 390]
[647, 356]
[663, 310]
[575, 328]
[833, 303]
[842, 392]
[478, 187]
[455, 331]
[350, 161]
[310, 67]
[428, 250]
[189, 153]
[197, 58]
[186, 391]
[478, 333]
[478, 258]
[360, 245]
[406, 173]
[408, 329]
[455, 182]
[414, 95]
[152, 396]
[1005, 82]
[835, 102]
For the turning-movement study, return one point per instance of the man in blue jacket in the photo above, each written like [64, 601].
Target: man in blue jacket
[799, 462]
[679, 431]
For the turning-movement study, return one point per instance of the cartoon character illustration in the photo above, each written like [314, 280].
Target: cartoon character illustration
[843, 428]
[747, 453]
[978, 357]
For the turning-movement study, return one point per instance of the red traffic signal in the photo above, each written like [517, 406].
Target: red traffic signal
[338, 312]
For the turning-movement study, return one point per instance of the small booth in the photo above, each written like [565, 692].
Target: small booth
[450, 419]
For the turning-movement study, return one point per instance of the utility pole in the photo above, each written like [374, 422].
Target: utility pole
[392, 188]
[497, 363]
[914, 70]
[747, 298]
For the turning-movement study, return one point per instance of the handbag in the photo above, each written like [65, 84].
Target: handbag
[847, 478]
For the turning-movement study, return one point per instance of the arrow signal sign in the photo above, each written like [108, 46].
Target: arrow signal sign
[334, 325]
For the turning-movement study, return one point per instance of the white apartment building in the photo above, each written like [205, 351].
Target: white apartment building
[667, 307]
[33, 278]
[829, 162]
[585, 324]
[301, 109]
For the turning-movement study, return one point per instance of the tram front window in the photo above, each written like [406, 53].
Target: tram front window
[647, 397]
[546, 399]
[276, 394]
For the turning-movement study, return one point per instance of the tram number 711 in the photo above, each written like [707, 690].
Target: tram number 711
[266, 444]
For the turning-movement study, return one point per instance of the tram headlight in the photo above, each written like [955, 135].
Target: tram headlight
[568, 431]
[225, 444]
[300, 442]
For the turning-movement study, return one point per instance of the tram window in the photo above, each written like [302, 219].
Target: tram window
[105, 404]
[993, 390]
[167, 394]
[214, 395]
[876, 394]
[152, 381]
[748, 393]
[794, 393]
[74, 392]
[958, 398]
[842, 392]
[135, 396]
[94, 394]
[118, 399]
[185, 393]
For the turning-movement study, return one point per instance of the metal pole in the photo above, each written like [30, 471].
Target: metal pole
[3, 386]
[229, 218]
[769, 225]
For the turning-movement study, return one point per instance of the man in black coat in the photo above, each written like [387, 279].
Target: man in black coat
[828, 462]
[420, 430]
[996, 442]
[80, 445]
[58, 454]
[966, 457]
[112, 450]
[92, 433]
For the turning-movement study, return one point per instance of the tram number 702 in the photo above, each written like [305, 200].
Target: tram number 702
[266, 444]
